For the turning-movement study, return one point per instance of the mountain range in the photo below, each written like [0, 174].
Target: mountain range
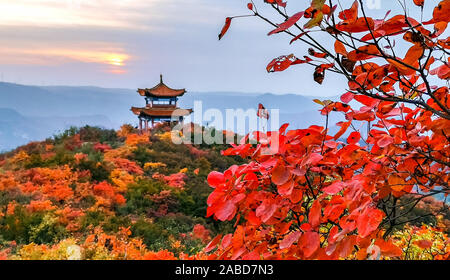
[33, 113]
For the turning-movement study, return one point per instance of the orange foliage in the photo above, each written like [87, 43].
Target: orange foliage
[128, 166]
[109, 193]
[136, 139]
[40, 206]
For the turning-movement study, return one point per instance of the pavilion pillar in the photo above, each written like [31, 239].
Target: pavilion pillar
[140, 125]
[146, 125]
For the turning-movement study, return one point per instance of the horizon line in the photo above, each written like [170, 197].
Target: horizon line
[192, 91]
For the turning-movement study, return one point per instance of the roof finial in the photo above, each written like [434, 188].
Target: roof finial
[160, 76]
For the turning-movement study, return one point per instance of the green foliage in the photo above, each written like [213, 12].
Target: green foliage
[92, 219]
[7, 197]
[96, 134]
[153, 235]
[66, 134]
[24, 227]
[99, 172]
[137, 196]
[114, 223]
[47, 231]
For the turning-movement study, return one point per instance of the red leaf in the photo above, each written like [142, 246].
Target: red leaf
[442, 11]
[443, 72]
[314, 214]
[213, 244]
[252, 256]
[283, 62]
[290, 239]
[286, 189]
[334, 188]
[344, 126]
[419, 3]
[280, 174]
[309, 242]
[366, 100]
[368, 221]
[347, 97]
[354, 137]
[215, 179]
[360, 25]
[385, 141]
[363, 53]
[266, 210]
[278, 2]
[226, 211]
[225, 27]
[312, 52]
[298, 37]
[283, 128]
[312, 159]
[350, 15]
[226, 241]
[287, 24]
[340, 48]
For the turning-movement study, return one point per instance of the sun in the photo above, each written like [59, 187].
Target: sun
[116, 60]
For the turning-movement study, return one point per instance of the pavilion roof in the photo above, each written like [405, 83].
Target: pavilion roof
[161, 90]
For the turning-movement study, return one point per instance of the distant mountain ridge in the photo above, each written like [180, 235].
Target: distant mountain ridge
[31, 113]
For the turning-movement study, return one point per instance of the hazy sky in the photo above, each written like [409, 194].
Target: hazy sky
[128, 43]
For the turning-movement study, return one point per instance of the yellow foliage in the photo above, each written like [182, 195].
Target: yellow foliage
[166, 136]
[121, 152]
[64, 250]
[184, 170]
[20, 158]
[154, 165]
[121, 179]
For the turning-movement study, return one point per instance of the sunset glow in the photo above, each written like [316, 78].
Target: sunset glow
[26, 15]
[72, 12]
[43, 56]
[116, 60]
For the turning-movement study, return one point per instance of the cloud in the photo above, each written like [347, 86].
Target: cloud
[111, 13]
[56, 56]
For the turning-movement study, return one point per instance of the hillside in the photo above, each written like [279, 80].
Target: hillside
[98, 191]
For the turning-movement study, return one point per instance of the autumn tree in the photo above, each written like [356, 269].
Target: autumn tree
[321, 196]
